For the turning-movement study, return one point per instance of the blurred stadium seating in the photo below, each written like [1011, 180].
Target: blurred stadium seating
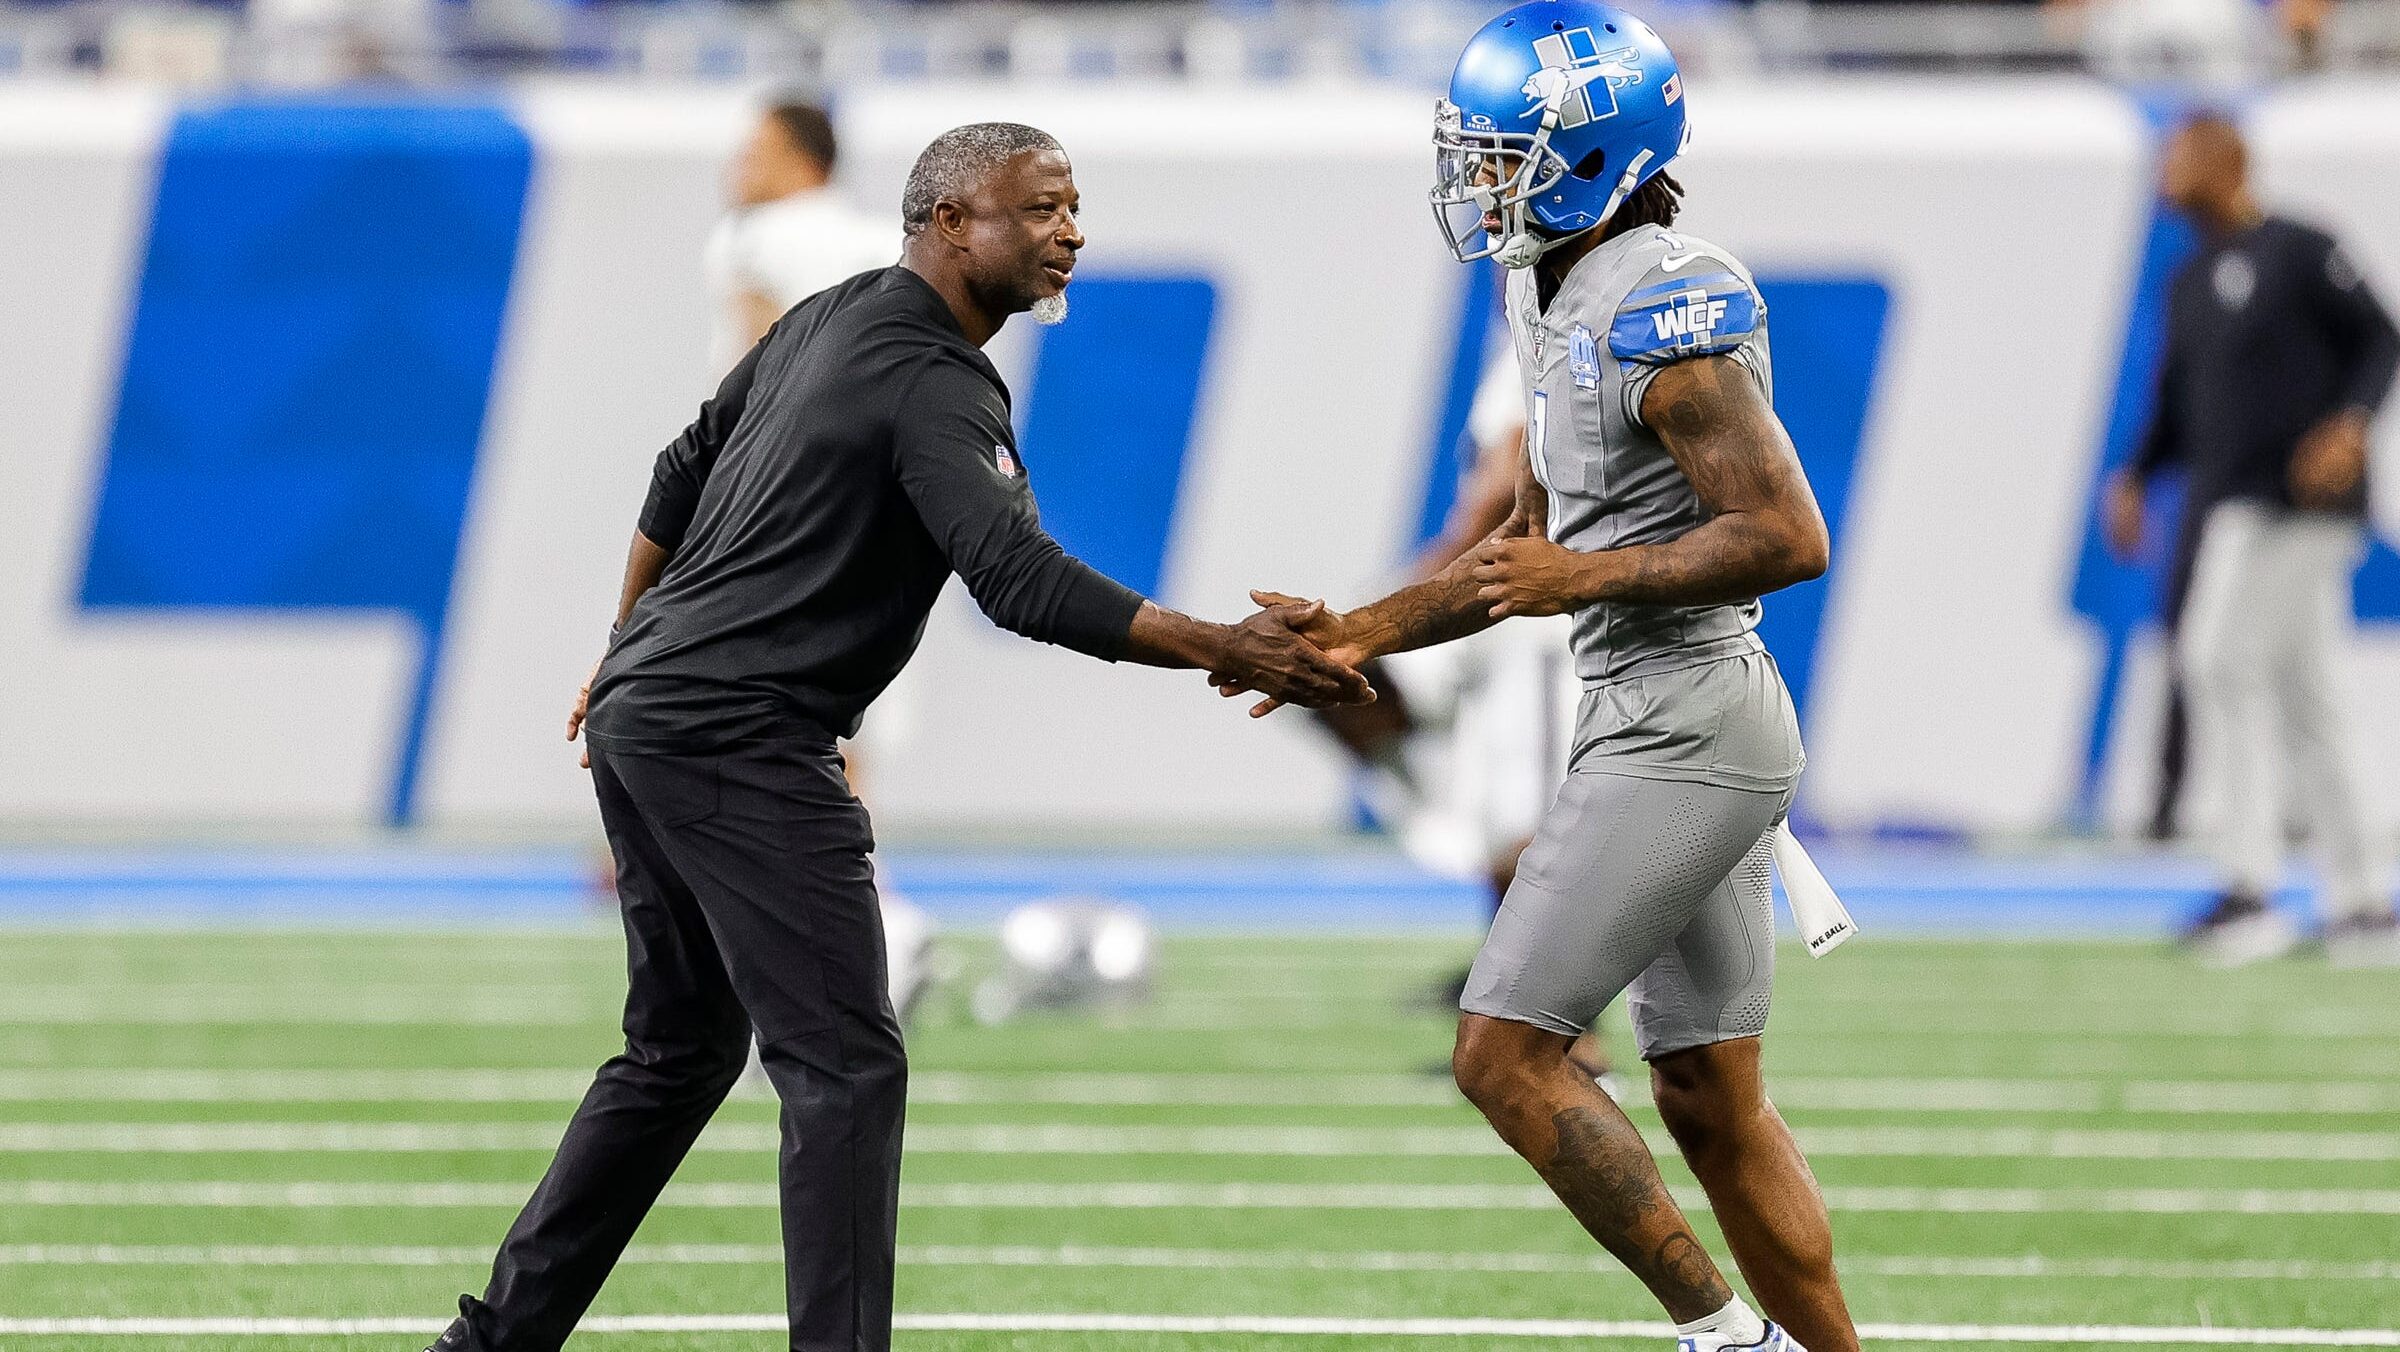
[310, 43]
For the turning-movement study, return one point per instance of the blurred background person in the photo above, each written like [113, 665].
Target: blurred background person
[2278, 356]
[787, 233]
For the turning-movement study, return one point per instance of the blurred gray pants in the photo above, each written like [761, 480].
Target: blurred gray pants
[2266, 623]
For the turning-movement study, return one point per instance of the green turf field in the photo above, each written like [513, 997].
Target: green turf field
[338, 1127]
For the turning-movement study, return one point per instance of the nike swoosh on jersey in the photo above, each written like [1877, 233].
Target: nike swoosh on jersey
[1676, 262]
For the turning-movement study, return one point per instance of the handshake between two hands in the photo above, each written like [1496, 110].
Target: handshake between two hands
[1296, 651]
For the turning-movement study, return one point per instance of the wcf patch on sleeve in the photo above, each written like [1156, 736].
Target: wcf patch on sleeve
[1684, 319]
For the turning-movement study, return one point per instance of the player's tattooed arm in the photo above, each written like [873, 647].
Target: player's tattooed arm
[1446, 605]
[1436, 610]
[1763, 530]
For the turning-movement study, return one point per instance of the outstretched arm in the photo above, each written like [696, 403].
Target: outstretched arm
[1763, 530]
[1266, 652]
[1444, 606]
[975, 504]
[1440, 608]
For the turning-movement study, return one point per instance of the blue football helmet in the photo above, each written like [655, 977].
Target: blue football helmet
[1558, 110]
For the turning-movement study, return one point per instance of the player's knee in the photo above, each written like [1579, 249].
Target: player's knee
[1685, 1108]
[1488, 1061]
[1706, 1094]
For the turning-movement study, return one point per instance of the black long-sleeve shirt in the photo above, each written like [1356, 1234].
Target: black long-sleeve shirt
[2269, 331]
[855, 458]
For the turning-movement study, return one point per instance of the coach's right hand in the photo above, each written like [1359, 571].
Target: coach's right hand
[1319, 633]
[1271, 653]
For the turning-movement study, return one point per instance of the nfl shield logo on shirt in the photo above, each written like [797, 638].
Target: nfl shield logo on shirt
[1583, 358]
[1005, 460]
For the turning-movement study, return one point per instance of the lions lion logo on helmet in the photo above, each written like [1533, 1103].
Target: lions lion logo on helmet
[1572, 63]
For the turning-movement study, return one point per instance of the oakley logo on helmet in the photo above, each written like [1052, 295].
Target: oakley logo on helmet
[1572, 63]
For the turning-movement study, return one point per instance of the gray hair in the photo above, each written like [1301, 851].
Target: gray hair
[957, 159]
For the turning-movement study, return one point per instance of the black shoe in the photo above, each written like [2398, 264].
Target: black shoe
[453, 1339]
[2229, 909]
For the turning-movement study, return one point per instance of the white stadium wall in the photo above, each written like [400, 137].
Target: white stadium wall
[1956, 264]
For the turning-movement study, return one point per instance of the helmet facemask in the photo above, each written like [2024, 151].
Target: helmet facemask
[1479, 172]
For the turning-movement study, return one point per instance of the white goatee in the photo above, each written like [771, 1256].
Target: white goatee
[1050, 310]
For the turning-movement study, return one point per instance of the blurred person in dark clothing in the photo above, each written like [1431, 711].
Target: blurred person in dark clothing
[2278, 357]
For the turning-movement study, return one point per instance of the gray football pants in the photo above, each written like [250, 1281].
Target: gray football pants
[2264, 627]
[1659, 887]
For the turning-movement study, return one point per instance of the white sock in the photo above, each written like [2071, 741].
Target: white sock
[1737, 1323]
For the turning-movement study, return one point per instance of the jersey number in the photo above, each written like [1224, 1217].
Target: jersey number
[1537, 426]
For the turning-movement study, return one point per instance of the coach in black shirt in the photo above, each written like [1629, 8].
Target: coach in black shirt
[2278, 357]
[794, 539]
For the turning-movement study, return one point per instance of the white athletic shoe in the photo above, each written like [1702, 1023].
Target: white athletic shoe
[1774, 1340]
[2257, 937]
[2364, 941]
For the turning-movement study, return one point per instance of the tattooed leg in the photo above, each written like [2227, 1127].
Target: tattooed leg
[1590, 1155]
[1714, 1103]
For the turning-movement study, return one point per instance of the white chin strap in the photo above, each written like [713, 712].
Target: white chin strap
[1522, 248]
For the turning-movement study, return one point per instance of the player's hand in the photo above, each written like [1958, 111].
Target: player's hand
[583, 703]
[2121, 514]
[1529, 575]
[1328, 629]
[1272, 653]
[2331, 461]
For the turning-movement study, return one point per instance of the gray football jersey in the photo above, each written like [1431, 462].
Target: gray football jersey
[1649, 297]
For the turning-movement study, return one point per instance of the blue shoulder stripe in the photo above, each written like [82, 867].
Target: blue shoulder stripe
[1690, 323]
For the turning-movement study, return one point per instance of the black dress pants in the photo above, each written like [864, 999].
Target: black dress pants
[749, 903]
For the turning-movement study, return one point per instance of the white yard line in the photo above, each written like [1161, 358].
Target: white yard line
[561, 1085]
[1266, 1089]
[2027, 1266]
[1238, 1324]
[38, 1006]
[557, 1005]
[1508, 1197]
[1463, 1141]
[1220, 1196]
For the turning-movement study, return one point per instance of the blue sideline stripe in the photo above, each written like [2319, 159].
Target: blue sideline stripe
[310, 358]
[1108, 422]
[1897, 891]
